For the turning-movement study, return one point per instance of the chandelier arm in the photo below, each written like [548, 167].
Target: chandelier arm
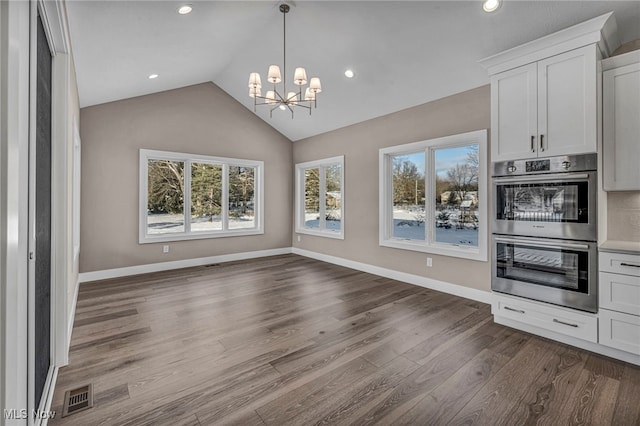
[282, 99]
[272, 109]
[302, 106]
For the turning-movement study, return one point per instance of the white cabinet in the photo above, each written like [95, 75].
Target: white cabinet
[580, 325]
[514, 113]
[621, 122]
[546, 108]
[621, 331]
[619, 299]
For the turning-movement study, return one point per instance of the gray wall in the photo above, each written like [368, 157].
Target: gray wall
[200, 119]
[360, 143]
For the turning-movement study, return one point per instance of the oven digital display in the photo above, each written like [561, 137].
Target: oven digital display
[538, 166]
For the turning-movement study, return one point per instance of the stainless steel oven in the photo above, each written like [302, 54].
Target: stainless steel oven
[544, 230]
[546, 197]
[549, 270]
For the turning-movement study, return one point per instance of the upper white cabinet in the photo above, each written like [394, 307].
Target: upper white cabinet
[544, 94]
[621, 122]
[545, 108]
[514, 113]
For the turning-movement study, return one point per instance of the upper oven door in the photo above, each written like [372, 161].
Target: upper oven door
[559, 205]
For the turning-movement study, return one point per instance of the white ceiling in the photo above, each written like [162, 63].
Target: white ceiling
[404, 53]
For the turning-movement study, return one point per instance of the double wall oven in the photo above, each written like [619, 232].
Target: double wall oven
[544, 230]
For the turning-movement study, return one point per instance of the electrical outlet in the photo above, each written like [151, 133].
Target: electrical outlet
[298, 238]
[165, 249]
[429, 262]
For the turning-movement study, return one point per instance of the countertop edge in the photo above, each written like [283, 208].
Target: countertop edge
[614, 246]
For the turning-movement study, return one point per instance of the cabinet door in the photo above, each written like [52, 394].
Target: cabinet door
[620, 331]
[567, 103]
[513, 114]
[621, 128]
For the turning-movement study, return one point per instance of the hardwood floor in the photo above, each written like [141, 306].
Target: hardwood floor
[292, 341]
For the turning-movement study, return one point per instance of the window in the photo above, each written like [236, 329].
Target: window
[184, 196]
[319, 197]
[434, 196]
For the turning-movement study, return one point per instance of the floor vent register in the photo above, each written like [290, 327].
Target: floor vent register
[79, 399]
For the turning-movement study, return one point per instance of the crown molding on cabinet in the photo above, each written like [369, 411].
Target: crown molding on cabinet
[601, 30]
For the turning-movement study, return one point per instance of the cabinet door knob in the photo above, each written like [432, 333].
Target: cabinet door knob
[541, 143]
[533, 146]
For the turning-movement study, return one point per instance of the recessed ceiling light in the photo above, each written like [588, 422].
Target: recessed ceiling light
[152, 76]
[349, 74]
[490, 5]
[185, 9]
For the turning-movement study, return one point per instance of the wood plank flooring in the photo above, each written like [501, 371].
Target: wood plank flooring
[287, 340]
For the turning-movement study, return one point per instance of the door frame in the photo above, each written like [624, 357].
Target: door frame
[14, 206]
[53, 17]
[17, 137]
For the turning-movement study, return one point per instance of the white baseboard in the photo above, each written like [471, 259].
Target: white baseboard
[177, 264]
[445, 287]
[582, 344]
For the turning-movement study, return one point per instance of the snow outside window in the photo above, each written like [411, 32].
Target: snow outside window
[320, 197]
[185, 196]
[433, 196]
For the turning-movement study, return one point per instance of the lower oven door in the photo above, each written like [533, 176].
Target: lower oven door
[549, 270]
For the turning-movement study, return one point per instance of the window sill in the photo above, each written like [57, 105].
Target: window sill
[150, 239]
[319, 233]
[440, 249]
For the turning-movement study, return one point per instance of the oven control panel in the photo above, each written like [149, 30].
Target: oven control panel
[561, 164]
[539, 165]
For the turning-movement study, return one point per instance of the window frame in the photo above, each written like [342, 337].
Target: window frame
[147, 154]
[300, 197]
[429, 245]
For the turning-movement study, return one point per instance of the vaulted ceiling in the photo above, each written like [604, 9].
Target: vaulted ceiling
[403, 53]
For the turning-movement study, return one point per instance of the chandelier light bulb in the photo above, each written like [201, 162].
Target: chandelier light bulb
[254, 91]
[282, 107]
[274, 74]
[254, 80]
[300, 77]
[309, 95]
[315, 85]
[271, 97]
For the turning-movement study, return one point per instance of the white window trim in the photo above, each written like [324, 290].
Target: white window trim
[386, 238]
[147, 154]
[299, 197]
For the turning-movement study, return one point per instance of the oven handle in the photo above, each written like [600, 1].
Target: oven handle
[542, 178]
[582, 247]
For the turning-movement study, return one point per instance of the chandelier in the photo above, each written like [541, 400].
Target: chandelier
[283, 99]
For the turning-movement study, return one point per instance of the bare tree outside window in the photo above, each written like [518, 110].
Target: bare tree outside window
[165, 196]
